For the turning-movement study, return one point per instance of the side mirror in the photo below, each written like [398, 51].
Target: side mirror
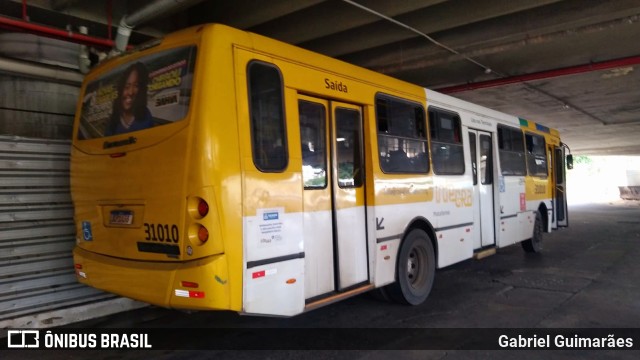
[569, 161]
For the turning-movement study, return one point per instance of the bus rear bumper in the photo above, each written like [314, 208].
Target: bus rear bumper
[198, 284]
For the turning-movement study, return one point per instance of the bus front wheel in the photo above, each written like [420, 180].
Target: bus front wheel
[415, 269]
[534, 245]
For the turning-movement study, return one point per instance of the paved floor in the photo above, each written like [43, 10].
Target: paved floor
[587, 277]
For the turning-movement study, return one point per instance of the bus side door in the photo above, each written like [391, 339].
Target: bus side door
[481, 148]
[334, 210]
[560, 191]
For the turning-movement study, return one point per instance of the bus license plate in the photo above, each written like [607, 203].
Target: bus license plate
[121, 217]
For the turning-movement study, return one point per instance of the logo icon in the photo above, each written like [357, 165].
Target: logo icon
[270, 216]
[23, 338]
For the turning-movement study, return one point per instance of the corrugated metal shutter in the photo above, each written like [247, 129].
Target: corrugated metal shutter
[37, 232]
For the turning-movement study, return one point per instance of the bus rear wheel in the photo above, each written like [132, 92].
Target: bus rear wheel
[534, 245]
[415, 270]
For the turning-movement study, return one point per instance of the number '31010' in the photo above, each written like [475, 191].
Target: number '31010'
[161, 232]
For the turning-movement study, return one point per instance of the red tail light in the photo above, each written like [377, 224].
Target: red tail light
[203, 208]
[203, 234]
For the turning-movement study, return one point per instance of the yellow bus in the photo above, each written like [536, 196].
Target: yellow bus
[219, 169]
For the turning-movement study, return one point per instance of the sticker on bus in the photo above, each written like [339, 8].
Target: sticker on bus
[86, 231]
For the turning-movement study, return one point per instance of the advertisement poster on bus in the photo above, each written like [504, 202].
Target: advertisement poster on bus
[151, 91]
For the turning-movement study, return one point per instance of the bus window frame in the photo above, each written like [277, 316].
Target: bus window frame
[285, 145]
[526, 154]
[501, 149]
[424, 140]
[456, 117]
[360, 170]
[324, 139]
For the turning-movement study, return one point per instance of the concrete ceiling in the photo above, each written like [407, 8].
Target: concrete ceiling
[440, 45]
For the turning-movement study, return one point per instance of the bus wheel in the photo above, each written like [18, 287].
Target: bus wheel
[534, 245]
[415, 269]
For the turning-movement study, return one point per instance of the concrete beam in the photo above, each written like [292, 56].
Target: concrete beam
[333, 17]
[559, 22]
[245, 14]
[429, 20]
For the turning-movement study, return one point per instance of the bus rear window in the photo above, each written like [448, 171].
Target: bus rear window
[154, 90]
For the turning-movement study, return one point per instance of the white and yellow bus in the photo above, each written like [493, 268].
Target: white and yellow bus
[219, 169]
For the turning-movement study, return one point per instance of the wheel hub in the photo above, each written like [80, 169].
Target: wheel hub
[413, 266]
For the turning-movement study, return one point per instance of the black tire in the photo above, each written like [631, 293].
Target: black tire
[534, 245]
[415, 269]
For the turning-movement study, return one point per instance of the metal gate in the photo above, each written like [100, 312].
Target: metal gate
[37, 232]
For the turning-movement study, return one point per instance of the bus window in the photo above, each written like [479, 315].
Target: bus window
[402, 136]
[153, 91]
[511, 150]
[313, 144]
[474, 157]
[446, 142]
[486, 160]
[267, 118]
[348, 147]
[536, 157]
